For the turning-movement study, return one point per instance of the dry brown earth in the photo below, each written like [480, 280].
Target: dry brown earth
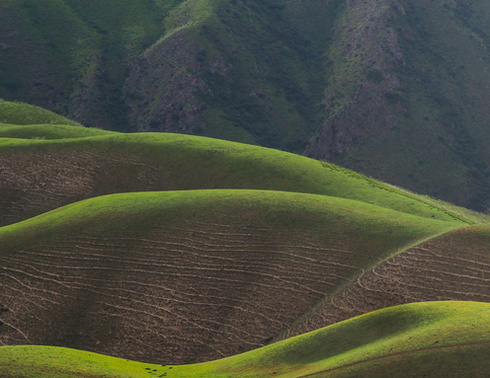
[454, 266]
[176, 295]
[33, 182]
[185, 284]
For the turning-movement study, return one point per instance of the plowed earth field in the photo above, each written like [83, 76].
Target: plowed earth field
[178, 279]
[453, 266]
[194, 275]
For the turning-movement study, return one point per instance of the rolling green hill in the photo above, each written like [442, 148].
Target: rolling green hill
[195, 274]
[444, 339]
[43, 173]
[394, 89]
[177, 249]
[48, 131]
[24, 114]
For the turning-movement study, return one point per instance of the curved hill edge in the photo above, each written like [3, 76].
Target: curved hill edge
[369, 269]
[397, 330]
[206, 163]
[451, 338]
[143, 201]
[453, 265]
[20, 113]
[49, 131]
[262, 259]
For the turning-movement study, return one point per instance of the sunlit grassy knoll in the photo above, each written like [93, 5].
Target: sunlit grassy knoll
[24, 114]
[451, 338]
[48, 131]
[306, 211]
[443, 339]
[189, 162]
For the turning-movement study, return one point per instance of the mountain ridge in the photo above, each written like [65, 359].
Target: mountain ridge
[393, 89]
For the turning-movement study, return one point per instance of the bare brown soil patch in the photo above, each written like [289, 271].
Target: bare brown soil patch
[454, 266]
[182, 294]
[33, 182]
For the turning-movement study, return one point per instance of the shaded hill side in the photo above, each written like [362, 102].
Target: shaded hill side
[41, 175]
[453, 266]
[187, 276]
[406, 98]
[447, 339]
[72, 57]
[247, 71]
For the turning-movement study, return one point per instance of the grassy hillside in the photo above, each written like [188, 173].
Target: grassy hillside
[48, 131]
[204, 249]
[45, 174]
[447, 339]
[195, 274]
[24, 114]
[20, 120]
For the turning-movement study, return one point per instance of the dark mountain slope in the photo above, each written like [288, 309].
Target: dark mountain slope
[407, 99]
[244, 71]
[71, 56]
[393, 88]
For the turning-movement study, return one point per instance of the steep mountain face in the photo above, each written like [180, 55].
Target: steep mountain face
[241, 70]
[393, 88]
[406, 97]
[70, 56]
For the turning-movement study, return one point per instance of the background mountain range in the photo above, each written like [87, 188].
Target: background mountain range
[393, 88]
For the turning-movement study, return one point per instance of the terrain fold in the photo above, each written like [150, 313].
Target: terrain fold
[197, 274]
[447, 339]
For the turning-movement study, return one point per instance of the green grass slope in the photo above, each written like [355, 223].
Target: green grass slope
[24, 114]
[443, 339]
[19, 120]
[42, 175]
[188, 276]
[48, 131]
